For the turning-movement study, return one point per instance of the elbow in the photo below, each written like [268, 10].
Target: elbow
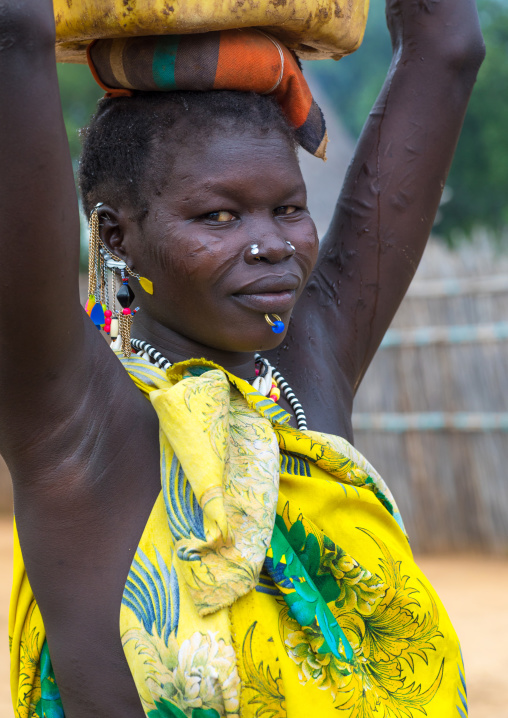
[26, 28]
[465, 55]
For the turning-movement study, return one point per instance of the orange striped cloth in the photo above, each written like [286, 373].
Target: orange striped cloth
[245, 60]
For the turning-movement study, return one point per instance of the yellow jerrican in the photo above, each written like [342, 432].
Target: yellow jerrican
[313, 28]
[273, 578]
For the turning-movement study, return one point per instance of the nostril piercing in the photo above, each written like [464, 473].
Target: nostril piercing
[254, 249]
[290, 245]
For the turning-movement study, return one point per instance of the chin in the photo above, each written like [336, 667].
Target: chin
[271, 342]
[250, 343]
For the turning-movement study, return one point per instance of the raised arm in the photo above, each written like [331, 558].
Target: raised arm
[385, 212]
[42, 327]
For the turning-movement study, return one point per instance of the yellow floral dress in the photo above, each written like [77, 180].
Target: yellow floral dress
[273, 578]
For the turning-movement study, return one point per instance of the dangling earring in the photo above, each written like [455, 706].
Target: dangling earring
[277, 325]
[113, 321]
[125, 297]
[95, 306]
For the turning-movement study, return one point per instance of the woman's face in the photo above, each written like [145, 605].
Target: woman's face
[227, 194]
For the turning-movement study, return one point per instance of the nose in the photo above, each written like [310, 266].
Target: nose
[269, 249]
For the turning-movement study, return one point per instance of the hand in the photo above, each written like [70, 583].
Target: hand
[26, 22]
[417, 26]
[401, 15]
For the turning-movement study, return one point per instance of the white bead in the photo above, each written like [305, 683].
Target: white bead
[113, 332]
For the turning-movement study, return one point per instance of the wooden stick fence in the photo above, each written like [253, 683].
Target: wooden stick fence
[459, 286]
[432, 411]
[460, 421]
[459, 334]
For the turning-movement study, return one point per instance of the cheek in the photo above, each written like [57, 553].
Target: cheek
[308, 247]
[187, 261]
[198, 261]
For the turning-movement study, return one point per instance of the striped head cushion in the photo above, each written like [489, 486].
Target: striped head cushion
[245, 60]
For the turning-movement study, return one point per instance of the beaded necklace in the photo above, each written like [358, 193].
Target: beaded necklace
[267, 380]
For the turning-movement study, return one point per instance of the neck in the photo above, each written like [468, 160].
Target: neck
[176, 348]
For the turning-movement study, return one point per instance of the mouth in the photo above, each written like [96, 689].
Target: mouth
[279, 301]
[270, 293]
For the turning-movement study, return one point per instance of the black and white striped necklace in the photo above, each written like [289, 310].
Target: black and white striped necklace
[261, 383]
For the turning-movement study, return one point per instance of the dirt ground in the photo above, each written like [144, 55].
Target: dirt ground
[473, 588]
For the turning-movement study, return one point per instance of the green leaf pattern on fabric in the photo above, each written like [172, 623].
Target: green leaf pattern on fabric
[50, 704]
[349, 630]
[165, 709]
[301, 556]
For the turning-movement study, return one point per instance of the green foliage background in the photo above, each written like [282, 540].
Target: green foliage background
[79, 93]
[479, 175]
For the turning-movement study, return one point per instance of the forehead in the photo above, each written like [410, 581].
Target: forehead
[230, 160]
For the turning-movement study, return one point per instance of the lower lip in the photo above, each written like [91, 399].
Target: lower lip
[268, 302]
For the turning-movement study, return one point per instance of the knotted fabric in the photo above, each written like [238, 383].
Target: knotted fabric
[244, 60]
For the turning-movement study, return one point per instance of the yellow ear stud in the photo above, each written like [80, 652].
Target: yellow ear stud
[146, 284]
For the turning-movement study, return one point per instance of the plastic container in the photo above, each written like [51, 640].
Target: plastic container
[315, 29]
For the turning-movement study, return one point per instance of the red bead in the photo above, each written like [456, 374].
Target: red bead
[108, 313]
[126, 311]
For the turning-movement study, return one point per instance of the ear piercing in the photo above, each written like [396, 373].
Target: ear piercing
[115, 322]
[277, 325]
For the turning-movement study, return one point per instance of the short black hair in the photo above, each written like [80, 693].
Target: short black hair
[118, 142]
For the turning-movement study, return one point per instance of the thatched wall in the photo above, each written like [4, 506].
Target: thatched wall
[438, 402]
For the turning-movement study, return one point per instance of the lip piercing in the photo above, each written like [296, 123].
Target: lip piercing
[291, 245]
[277, 325]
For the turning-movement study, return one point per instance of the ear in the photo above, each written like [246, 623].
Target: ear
[115, 229]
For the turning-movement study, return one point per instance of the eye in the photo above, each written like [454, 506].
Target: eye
[221, 216]
[285, 210]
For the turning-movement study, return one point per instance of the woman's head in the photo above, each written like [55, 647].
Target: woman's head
[190, 183]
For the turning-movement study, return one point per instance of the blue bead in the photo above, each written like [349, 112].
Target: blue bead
[278, 327]
[97, 314]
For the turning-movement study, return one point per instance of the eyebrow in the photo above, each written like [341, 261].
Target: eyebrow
[231, 192]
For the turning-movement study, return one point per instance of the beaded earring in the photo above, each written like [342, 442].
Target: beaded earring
[115, 322]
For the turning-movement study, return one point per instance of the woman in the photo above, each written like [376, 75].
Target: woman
[214, 214]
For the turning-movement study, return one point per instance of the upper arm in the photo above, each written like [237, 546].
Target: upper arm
[42, 327]
[387, 206]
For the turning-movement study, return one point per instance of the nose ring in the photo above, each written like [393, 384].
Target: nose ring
[292, 246]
